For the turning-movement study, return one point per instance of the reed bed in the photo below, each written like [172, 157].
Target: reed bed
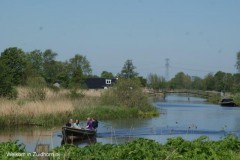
[35, 108]
[58, 107]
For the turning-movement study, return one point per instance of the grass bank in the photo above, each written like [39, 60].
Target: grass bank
[58, 108]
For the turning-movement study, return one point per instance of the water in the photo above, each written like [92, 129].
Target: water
[188, 117]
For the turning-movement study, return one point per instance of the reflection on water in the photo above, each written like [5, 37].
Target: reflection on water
[31, 136]
[80, 142]
[188, 117]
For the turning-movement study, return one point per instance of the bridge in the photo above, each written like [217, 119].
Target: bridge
[199, 93]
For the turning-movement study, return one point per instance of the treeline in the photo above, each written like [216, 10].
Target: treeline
[40, 68]
[37, 68]
[220, 81]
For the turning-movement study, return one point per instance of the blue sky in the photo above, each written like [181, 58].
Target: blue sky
[199, 37]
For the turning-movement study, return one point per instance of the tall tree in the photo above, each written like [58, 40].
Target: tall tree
[80, 68]
[63, 76]
[128, 70]
[35, 63]
[238, 62]
[209, 82]
[49, 66]
[6, 87]
[15, 60]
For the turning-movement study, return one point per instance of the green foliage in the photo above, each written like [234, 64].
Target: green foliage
[6, 87]
[34, 63]
[19, 66]
[50, 69]
[145, 149]
[127, 93]
[106, 74]
[181, 81]
[156, 82]
[14, 60]
[128, 70]
[175, 148]
[13, 150]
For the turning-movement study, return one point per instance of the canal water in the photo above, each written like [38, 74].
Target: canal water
[188, 117]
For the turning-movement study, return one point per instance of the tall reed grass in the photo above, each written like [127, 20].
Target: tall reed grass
[57, 108]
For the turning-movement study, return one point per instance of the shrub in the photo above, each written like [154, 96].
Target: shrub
[127, 93]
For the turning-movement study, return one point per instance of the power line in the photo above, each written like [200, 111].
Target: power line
[167, 69]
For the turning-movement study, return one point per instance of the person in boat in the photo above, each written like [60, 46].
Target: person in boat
[89, 124]
[76, 124]
[94, 123]
[69, 123]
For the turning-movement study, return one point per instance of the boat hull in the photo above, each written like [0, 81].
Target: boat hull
[75, 133]
[228, 103]
[231, 104]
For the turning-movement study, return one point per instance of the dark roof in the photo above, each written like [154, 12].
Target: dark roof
[97, 83]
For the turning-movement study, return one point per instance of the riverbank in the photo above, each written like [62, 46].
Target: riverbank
[217, 99]
[174, 148]
[58, 108]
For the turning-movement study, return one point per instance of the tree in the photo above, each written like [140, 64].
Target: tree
[106, 74]
[156, 82]
[197, 83]
[79, 68]
[238, 62]
[128, 70]
[181, 81]
[63, 76]
[49, 66]
[15, 60]
[209, 82]
[6, 87]
[35, 63]
[236, 84]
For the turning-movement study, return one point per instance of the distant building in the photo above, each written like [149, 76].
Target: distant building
[100, 83]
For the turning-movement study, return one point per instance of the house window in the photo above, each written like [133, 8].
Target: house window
[108, 81]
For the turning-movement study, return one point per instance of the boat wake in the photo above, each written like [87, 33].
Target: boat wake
[162, 131]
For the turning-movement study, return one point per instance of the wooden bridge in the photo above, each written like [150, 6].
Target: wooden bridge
[199, 93]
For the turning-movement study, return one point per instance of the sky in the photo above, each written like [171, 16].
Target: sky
[198, 37]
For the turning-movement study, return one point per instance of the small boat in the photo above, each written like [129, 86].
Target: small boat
[77, 133]
[228, 102]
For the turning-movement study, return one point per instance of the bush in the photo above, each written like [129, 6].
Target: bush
[126, 93]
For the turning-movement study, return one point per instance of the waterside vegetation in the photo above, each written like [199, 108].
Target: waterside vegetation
[121, 101]
[175, 148]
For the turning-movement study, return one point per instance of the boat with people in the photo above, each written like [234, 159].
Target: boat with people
[77, 133]
[73, 131]
[228, 102]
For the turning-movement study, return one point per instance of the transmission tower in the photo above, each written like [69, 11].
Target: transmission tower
[167, 69]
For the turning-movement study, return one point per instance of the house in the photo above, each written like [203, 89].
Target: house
[100, 83]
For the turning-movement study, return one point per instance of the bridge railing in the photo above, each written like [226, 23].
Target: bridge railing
[185, 91]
